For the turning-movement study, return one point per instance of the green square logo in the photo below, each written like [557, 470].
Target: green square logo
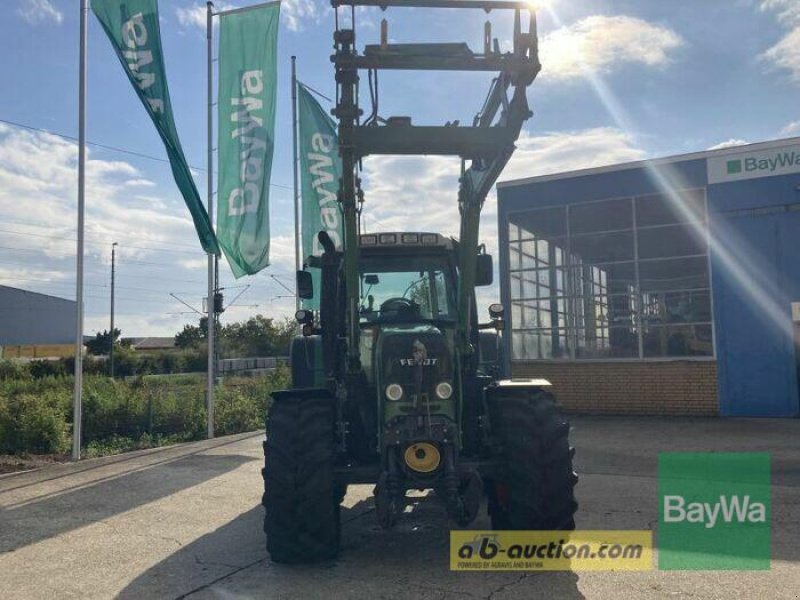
[734, 167]
[714, 511]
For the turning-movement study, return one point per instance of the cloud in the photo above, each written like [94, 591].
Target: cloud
[37, 12]
[785, 55]
[195, 15]
[295, 14]
[788, 11]
[600, 43]
[791, 130]
[728, 144]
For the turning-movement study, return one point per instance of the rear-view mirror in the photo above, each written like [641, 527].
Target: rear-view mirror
[484, 272]
[305, 285]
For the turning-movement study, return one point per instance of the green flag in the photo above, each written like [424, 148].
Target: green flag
[320, 170]
[246, 103]
[132, 26]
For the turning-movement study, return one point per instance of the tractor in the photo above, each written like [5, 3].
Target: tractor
[395, 381]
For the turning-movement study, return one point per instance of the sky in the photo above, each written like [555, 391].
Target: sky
[621, 80]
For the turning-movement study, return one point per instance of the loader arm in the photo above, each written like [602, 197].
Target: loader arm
[487, 144]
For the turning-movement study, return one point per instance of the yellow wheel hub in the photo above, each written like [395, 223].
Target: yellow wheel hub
[422, 457]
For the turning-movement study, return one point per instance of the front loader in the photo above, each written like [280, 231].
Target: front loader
[395, 382]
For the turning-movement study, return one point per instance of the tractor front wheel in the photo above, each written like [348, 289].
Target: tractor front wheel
[537, 491]
[301, 496]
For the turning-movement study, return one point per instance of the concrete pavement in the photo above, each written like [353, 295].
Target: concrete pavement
[186, 521]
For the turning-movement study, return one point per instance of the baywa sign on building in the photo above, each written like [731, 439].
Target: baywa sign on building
[752, 164]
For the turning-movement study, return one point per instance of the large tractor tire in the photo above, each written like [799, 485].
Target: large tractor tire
[537, 491]
[301, 496]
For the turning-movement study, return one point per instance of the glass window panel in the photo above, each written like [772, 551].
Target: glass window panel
[675, 274]
[618, 278]
[560, 256]
[515, 279]
[543, 252]
[530, 315]
[513, 232]
[673, 240]
[517, 349]
[676, 307]
[513, 257]
[528, 288]
[516, 315]
[560, 290]
[544, 318]
[543, 276]
[608, 215]
[662, 209]
[621, 310]
[603, 247]
[678, 340]
[529, 248]
[544, 223]
[615, 342]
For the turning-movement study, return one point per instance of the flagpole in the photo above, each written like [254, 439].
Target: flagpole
[210, 167]
[297, 249]
[78, 391]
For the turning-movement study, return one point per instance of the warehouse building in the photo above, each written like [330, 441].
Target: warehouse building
[669, 286]
[34, 325]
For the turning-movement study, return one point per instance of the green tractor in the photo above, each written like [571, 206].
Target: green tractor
[395, 382]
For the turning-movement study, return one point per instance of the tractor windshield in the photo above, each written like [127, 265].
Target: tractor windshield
[403, 289]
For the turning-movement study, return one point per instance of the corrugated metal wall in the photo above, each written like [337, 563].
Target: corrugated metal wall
[28, 318]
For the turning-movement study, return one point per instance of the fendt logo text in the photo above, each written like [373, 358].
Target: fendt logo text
[731, 509]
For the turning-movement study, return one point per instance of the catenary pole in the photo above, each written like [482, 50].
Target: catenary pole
[297, 242]
[211, 263]
[78, 391]
[111, 348]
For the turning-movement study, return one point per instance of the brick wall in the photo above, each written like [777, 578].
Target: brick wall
[643, 388]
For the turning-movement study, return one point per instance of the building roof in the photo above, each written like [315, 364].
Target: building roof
[743, 148]
[12, 291]
[152, 343]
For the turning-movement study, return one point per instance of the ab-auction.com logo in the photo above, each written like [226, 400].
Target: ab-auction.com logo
[551, 550]
[714, 511]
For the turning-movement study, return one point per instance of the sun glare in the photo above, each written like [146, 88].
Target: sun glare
[740, 262]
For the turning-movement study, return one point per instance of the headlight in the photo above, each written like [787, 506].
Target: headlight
[394, 392]
[444, 390]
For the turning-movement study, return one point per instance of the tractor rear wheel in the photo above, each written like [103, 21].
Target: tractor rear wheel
[537, 491]
[301, 496]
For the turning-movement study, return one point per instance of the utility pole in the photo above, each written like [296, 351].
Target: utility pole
[111, 351]
[78, 390]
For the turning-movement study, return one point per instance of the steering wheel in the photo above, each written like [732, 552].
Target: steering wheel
[399, 307]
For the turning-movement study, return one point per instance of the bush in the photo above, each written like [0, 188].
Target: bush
[121, 415]
[13, 369]
[34, 423]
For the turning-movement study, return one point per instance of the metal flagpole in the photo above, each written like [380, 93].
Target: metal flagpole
[210, 302]
[77, 399]
[297, 247]
[111, 345]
